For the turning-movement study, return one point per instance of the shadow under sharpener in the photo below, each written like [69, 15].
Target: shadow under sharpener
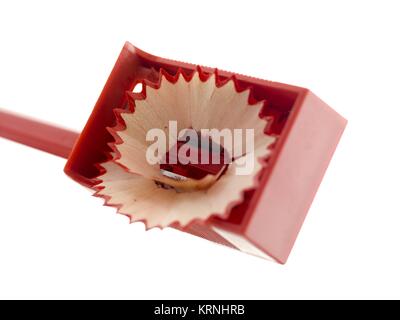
[269, 219]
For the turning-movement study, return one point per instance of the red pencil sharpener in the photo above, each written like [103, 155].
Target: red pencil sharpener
[267, 221]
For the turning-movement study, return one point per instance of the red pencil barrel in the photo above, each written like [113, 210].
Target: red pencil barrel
[37, 134]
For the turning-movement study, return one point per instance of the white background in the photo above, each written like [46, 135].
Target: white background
[56, 241]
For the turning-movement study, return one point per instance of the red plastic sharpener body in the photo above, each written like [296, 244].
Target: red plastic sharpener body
[267, 222]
